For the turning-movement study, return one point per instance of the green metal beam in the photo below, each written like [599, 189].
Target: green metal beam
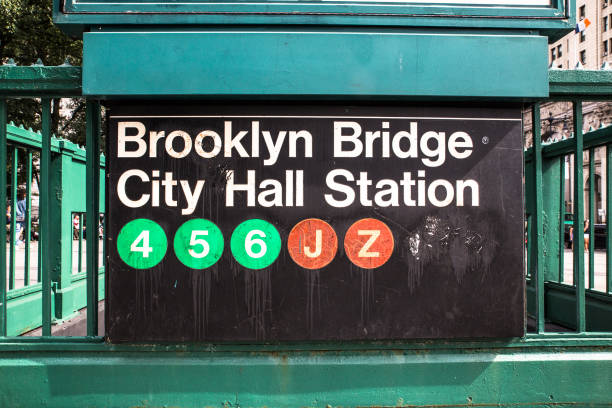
[424, 14]
[553, 20]
[314, 64]
[487, 377]
[40, 80]
[532, 341]
[580, 83]
[594, 138]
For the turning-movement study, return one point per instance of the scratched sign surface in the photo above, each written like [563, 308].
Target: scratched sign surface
[287, 223]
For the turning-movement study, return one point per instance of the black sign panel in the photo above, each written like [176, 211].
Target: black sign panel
[288, 223]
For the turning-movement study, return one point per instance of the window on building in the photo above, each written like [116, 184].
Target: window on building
[553, 53]
[583, 57]
[559, 50]
[582, 36]
[604, 4]
[605, 48]
[582, 12]
[604, 25]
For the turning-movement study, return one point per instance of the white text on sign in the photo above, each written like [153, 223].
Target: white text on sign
[344, 188]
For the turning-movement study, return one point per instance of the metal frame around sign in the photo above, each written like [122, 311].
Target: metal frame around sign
[546, 15]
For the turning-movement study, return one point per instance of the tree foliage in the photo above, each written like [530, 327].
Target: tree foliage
[27, 33]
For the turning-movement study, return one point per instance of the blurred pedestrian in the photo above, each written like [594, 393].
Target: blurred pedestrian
[76, 223]
[20, 215]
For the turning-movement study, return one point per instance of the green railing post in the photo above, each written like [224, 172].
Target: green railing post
[608, 218]
[13, 220]
[579, 217]
[530, 263]
[28, 219]
[3, 305]
[537, 216]
[551, 247]
[93, 211]
[61, 232]
[104, 234]
[39, 251]
[561, 219]
[45, 215]
[592, 218]
[80, 257]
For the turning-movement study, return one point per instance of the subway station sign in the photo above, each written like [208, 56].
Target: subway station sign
[286, 223]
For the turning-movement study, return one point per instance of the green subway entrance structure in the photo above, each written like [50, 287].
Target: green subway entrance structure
[314, 203]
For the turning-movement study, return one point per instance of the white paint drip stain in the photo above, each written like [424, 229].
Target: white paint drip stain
[313, 298]
[258, 298]
[469, 246]
[201, 283]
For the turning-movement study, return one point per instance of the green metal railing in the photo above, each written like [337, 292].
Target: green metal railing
[24, 260]
[58, 163]
[79, 233]
[25, 151]
[552, 298]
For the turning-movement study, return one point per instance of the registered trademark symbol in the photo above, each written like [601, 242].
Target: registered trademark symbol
[485, 140]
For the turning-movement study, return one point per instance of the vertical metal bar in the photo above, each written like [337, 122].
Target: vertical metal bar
[80, 259]
[104, 242]
[562, 220]
[608, 220]
[592, 218]
[537, 216]
[530, 263]
[579, 217]
[3, 211]
[39, 250]
[45, 215]
[28, 219]
[529, 249]
[93, 209]
[14, 236]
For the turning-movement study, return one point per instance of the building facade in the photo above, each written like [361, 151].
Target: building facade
[590, 49]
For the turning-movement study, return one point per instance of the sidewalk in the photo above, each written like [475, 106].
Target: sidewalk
[600, 269]
[20, 254]
[77, 326]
